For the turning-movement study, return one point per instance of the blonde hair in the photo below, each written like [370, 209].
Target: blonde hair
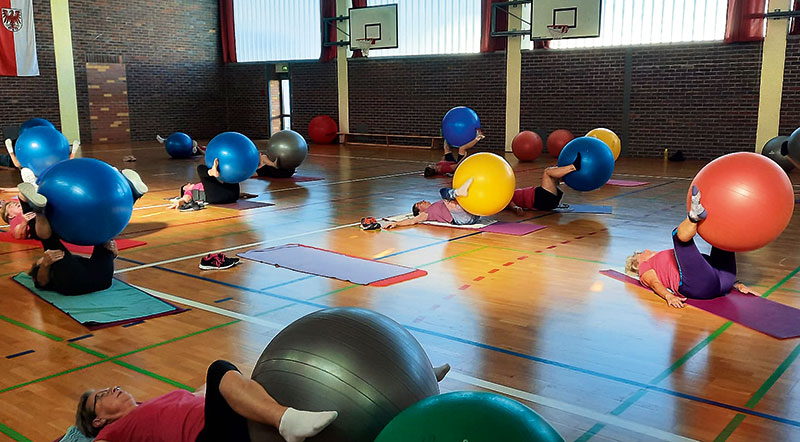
[632, 264]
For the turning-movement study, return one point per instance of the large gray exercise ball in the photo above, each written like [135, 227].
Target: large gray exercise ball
[793, 146]
[352, 360]
[772, 150]
[288, 148]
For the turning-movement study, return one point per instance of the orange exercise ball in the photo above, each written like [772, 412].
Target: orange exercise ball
[609, 137]
[557, 140]
[748, 198]
[492, 187]
[527, 146]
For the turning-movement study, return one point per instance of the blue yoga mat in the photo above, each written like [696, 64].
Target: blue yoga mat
[583, 208]
[117, 305]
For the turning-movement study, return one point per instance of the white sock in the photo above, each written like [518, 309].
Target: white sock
[463, 190]
[160, 139]
[297, 425]
[9, 146]
[697, 212]
[76, 149]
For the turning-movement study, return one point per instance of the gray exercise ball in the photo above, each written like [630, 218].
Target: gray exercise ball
[793, 146]
[352, 360]
[288, 148]
[772, 150]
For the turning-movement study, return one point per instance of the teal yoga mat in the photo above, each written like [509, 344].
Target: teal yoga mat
[118, 305]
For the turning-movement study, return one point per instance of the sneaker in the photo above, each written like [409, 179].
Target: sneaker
[191, 207]
[369, 223]
[677, 156]
[217, 261]
[137, 185]
[36, 200]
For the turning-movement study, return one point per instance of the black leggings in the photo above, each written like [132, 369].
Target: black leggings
[75, 275]
[274, 172]
[222, 424]
[217, 192]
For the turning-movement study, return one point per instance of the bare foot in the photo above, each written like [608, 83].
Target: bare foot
[112, 247]
[214, 171]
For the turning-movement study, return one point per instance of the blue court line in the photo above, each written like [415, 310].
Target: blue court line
[570, 367]
[133, 323]
[80, 337]
[223, 299]
[22, 353]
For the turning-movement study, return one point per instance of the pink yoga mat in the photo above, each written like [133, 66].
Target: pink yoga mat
[760, 314]
[295, 178]
[626, 183]
[517, 229]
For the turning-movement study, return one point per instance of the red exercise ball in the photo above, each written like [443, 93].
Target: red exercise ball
[557, 140]
[527, 146]
[748, 198]
[322, 129]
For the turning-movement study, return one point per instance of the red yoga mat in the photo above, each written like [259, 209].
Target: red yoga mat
[760, 314]
[122, 244]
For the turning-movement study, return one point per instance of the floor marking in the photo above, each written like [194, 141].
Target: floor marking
[354, 180]
[22, 353]
[152, 207]
[80, 337]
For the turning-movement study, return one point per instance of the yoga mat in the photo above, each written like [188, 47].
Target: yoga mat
[119, 304]
[626, 183]
[295, 178]
[122, 244]
[760, 314]
[583, 208]
[330, 264]
[243, 205]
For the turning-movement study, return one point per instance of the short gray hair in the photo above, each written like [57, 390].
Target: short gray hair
[632, 264]
[84, 416]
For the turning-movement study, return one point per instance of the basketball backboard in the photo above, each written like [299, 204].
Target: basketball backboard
[582, 17]
[378, 23]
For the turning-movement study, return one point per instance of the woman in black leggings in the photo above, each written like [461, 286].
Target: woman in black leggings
[210, 189]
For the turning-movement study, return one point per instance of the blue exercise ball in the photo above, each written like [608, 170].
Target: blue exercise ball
[41, 146]
[597, 163]
[179, 145]
[459, 125]
[238, 156]
[88, 201]
[34, 122]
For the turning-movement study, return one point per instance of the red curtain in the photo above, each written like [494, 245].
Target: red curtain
[227, 31]
[328, 11]
[794, 28]
[358, 4]
[489, 43]
[743, 23]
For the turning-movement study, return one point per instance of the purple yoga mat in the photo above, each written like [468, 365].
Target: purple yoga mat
[244, 205]
[295, 178]
[330, 264]
[626, 183]
[760, 314]
[517, 229]
[583, 208]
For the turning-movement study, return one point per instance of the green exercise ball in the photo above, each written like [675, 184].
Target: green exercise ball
[471, 416]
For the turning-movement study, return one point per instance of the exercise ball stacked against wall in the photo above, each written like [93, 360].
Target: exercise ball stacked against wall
[469, 416]
[597, 163]
[492, 187]
[238, 156]
[179, 145]
[748, 199]
[322, 129]
[351, 360]
[527, 146]
[88, 201]
[287, 148]
[41, 146]
[557, 140]
[459, 126]
[773, 150]
[609, 137]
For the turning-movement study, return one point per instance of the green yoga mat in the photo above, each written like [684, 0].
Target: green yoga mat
[118, 305]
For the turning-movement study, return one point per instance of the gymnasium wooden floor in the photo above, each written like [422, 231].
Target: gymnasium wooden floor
[529, 316]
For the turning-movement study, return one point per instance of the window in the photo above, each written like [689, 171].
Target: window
[642, 22]
[277, 30]
[434, 27]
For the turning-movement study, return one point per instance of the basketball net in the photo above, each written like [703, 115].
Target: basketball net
[364, 45]
[557, 31]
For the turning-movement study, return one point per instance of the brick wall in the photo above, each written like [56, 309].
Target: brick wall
[24, 98]
[314, 92]
[246, 98]
[790, 103]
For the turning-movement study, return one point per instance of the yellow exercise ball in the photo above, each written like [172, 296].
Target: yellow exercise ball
[610, 138]
[492, 187]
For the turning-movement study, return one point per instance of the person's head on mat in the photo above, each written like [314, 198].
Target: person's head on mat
[96, 408]
[420, 206]
[632, 262]
[9, 209]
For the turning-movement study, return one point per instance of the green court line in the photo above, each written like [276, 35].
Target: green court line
[682, 360]
[730, 428]
[13, 434]
[29, 328]
[164, 379]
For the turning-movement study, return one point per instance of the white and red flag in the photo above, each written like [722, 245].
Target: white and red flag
[17, 39]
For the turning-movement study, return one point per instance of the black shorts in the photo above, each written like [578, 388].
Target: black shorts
[544, 200]
[222, 424]
[453, 157]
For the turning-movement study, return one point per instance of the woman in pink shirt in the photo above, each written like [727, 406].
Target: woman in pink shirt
[683, 272]
[447, 210]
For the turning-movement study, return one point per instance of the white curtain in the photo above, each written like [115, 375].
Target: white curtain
[434, 27]
[277, 30]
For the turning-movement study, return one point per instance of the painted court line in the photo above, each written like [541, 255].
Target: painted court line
[569, 408]
[354, 180]
[228, 249]
[151, 207]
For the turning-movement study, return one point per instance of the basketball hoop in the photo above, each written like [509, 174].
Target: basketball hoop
[558, 31]
[364, 45]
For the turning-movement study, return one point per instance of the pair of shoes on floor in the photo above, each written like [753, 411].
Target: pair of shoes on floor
[191, 207]
[129, 158]
[677, 156]
[217, 261]
[369, 223]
